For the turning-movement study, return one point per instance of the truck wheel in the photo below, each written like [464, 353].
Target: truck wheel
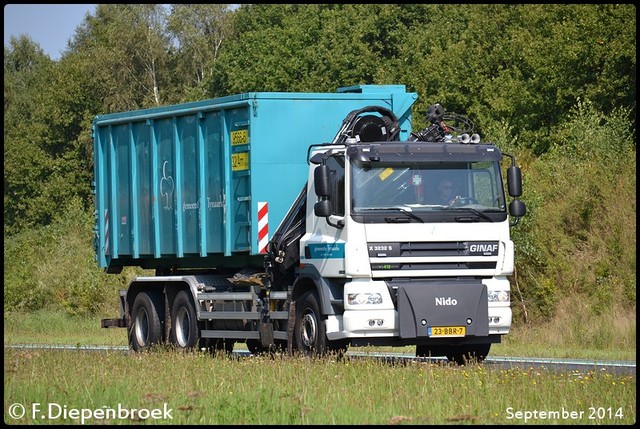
[145, 329]
[463, 355]
[185, 332]
[310, 337]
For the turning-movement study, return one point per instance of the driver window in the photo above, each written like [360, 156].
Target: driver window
[441, 188]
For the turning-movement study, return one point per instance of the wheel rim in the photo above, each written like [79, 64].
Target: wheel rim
[142, 327]
[309, 329]
[183, 324]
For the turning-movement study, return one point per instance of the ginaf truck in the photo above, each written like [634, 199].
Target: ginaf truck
[306, 222]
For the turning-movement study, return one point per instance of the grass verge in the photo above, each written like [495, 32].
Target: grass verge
[170, 387]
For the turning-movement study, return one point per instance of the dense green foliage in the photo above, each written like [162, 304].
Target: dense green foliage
[552, 84]
[579, 236]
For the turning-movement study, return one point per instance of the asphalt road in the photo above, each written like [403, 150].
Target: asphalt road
[564, 365]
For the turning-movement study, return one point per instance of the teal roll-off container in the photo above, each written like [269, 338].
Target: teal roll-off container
[201, 184]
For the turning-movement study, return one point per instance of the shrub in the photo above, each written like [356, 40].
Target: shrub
[579, 233]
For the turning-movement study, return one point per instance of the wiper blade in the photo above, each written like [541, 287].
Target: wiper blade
[390, 219]
[470, 219]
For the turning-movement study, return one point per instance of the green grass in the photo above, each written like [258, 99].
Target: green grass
[576, 332]
[198, 388]
[51, 327]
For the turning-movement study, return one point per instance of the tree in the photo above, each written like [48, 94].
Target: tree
[523, 65]
[315, 47]
[129, 54]
[199, 31]
[27, 158]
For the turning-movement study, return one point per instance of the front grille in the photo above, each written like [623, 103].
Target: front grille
[436, 266]
[444, 256]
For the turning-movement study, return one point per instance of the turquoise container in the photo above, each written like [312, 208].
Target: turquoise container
[200, 185]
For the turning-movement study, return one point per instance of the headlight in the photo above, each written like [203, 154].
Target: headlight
[364, 298]
[498, 296]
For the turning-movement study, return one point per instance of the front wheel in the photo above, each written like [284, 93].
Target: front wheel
[310, 332]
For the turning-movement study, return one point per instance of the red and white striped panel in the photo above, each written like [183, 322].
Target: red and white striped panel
[106, 232]
[263, 226]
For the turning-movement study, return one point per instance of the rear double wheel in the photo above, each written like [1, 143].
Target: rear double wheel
[146, 321]
[185, 331]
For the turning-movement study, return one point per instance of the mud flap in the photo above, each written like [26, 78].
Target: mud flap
[425, 305]
[290, 327]
[266, 334]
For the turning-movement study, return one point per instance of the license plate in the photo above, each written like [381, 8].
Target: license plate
[447, 331]
[240, 161]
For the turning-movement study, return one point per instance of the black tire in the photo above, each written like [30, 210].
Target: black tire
[185, 330]
[146, 325]
[310, 332]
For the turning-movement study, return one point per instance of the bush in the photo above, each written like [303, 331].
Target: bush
[579, 233]
[54, 268]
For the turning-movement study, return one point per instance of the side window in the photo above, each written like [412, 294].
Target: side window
[336, 165]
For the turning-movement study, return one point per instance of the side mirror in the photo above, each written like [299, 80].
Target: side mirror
[514, 181]
[323, 208]
[517, 208]
[322, 186]
[322, 180]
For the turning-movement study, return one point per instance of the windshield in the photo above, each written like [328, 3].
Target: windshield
[427, 186]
